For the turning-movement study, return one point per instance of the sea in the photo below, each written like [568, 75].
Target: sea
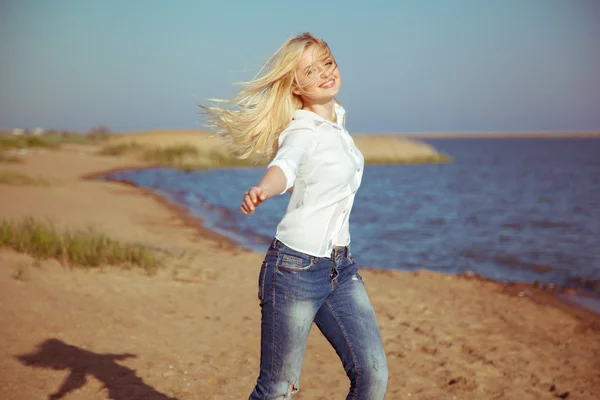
[508, 209]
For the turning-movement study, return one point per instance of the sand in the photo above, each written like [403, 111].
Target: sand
[210, 151]
[192, 330]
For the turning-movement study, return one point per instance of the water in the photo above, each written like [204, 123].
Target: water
[508, 209]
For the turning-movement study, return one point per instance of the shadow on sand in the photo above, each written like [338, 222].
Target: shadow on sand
[121, 382]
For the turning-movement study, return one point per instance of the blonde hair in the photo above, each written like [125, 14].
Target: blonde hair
[265, 105]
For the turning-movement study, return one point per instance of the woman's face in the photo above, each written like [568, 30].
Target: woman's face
[318, 76]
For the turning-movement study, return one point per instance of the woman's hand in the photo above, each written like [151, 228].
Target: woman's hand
[253, 198]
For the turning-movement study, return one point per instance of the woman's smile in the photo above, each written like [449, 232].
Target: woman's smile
[327, 84]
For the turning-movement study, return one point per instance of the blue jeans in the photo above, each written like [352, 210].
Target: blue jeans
[296, 289]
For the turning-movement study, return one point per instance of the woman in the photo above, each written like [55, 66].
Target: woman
[290, 115]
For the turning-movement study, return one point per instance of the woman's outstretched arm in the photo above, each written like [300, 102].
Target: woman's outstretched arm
[295, 147]
[272, 183]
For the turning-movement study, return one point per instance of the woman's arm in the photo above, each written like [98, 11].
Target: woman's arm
[295, 147]
[272, 182]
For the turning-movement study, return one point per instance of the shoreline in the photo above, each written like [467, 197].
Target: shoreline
[193, 330]
[555, 296]
[179, 211]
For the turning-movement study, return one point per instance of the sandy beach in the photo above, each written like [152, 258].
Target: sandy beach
[192, 330]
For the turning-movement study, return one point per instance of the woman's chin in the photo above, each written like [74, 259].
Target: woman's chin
[326, 95]
[333, 91]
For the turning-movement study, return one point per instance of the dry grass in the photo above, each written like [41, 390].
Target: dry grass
[78, 248]
[189, 150]
[49, 141]
[118, 149]
[19, 179]
[188, 157]
[24, 142]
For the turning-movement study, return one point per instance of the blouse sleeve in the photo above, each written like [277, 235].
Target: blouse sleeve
[295, 147]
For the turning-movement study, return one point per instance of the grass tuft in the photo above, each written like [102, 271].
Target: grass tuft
[19, 179]
[189, 157]
[86, 248]
[23, 142]
[119, 149]
[186, 157]
[171, 155]
[48, 141]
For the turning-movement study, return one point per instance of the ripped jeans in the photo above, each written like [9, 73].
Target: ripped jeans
[296, 289]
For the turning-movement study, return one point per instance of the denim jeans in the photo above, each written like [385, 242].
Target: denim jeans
[296, 289]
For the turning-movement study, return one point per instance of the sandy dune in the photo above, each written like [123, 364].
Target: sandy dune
[192, 331]
[375, 148]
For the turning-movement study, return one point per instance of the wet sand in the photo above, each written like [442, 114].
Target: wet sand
[192, 331]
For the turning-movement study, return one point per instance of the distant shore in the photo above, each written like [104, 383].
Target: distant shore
[500, 135]
[189, 149]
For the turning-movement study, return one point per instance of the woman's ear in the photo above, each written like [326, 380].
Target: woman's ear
[296, 89]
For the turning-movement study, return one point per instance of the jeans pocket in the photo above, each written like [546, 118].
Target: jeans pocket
[261, 281]
[294, 262]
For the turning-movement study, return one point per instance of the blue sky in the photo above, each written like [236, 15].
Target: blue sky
[407, 66]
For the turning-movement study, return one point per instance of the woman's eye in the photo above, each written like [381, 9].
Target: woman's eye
[329, 63]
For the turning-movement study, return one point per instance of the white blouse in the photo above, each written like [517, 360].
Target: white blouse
[324, 167]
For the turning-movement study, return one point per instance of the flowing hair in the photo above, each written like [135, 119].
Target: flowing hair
[252, 122]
